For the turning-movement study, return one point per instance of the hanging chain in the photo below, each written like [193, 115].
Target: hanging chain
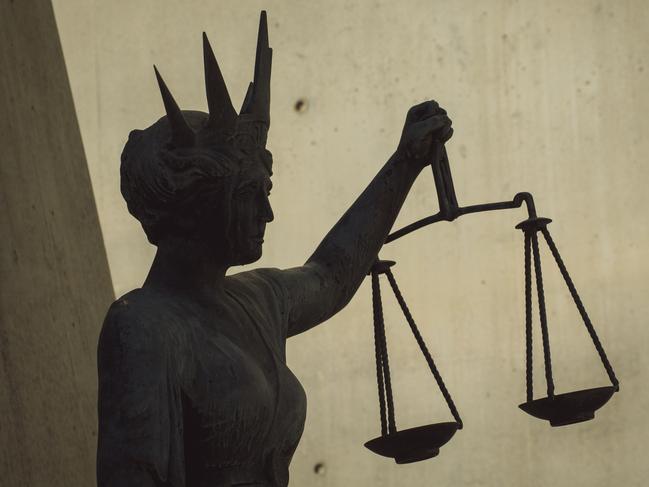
[382, 362]
[580, 307]
[542, 314]
[424, 349]
[528, 319]
[378, 317]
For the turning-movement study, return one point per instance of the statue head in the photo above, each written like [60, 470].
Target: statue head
[205, 177]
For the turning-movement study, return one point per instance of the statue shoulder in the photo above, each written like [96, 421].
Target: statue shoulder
[140, 320]
[262, 279]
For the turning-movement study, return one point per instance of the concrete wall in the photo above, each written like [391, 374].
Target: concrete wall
[54, 278]
[549, 97]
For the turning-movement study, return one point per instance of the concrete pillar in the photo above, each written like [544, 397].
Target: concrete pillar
[54, 279]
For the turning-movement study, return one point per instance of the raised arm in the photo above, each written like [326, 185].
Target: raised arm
[331, 276]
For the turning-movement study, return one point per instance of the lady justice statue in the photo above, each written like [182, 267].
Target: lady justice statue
[194, 390]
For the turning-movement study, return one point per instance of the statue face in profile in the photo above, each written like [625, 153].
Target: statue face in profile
[208, 195]
[199, 180]
[250, 213]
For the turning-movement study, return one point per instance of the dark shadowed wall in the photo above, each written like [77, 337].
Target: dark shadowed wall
[54, 278]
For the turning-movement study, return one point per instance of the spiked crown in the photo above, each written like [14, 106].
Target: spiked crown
[249, 128]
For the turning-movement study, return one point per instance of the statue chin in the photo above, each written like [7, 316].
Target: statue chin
[246, 254]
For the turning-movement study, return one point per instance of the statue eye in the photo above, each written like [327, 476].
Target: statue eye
[247, 191]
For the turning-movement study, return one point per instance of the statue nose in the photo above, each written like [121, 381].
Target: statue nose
[267, 211]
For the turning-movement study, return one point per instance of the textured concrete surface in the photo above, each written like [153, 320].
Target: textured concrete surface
[548, 97]
[54, 278]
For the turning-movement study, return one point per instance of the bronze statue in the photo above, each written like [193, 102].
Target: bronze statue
[194, 390]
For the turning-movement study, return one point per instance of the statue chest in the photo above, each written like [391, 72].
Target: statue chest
[243, 407]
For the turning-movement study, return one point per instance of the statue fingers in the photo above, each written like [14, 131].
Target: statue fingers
[446, 135]
[422, 111]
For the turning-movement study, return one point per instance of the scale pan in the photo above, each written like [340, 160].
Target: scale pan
[414, 444]
[569, 408]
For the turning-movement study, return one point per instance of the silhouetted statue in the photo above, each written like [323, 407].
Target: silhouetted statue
[194, 390]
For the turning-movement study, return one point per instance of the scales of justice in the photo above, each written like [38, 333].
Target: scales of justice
[423, 442]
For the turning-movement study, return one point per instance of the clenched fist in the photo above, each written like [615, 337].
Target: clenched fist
[427, 125]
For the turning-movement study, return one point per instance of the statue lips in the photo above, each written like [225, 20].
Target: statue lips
[257, 238]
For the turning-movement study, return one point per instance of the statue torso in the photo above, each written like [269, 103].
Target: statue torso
[234, 409]
[243, 408]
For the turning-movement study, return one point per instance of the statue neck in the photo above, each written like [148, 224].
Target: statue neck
[188, 268]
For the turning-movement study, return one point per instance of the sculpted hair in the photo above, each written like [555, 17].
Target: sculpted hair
[169, 189]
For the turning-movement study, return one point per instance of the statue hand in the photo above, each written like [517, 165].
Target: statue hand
[427, 125]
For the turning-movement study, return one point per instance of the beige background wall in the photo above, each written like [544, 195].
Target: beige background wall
[549, 97]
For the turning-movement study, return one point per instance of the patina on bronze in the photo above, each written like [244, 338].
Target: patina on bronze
[194, 390]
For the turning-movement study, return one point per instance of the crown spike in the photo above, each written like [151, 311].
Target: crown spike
[262, 35]
[260, 99]
[181, 133]
[247, 100]
[222, 114]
